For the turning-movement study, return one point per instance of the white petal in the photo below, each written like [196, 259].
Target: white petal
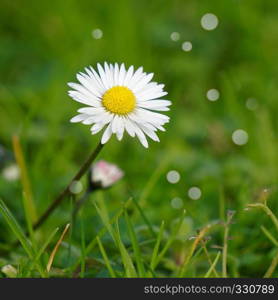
[128, 76]
[94, 75]
[142, 83]
[145, 118]
[112, 74]
[114, 124]
[99, 118]
[122, 74]
[129, 127]
[116, 74]
[109, 75]
[150, 133]
[151, 96]
[90, 83]
[91, 110]
[141, 136]
[154, 103]
[84, 99]
[107, 134]
[136, 76]
[83, 90]
[103, 76]
[79, 118]
[142, 113]
[153, 107]
[121, 128]
[149, 126]
[150, 88]
[97, 127]
[96, 85]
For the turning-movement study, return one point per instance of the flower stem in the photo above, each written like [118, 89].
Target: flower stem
[268, 211]
[56, 202]
[225, 251]
[230, 215]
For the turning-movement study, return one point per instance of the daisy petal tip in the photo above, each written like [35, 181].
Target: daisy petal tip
[146, 145]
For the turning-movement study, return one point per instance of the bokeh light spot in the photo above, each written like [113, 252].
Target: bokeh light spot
[186, 46]
[194, 193]
[173, 176]
[177, 203]
[97, 33]
[252, 103]
[213, 95]
[209, 21]
[175, 36]
[240, 137]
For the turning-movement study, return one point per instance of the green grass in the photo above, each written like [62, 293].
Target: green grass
[131, 229]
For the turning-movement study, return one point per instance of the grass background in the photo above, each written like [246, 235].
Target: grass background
[43, 46]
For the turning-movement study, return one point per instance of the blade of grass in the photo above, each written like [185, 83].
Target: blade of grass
[16, 229]
[230, 215]
[105, 219]
[221, 204]
[100, 234]
[192, 250]
[19, 233]
[269, 236]
[144, 217]
[105, 258]
[157, 245]
[115, 234]
[45, 245]
[28, 201]
[272, 267]
[53, 253]
[126, 259]
[209, 260]
[169, 241]
[28, 218]
[268, 211]
[83, 245]
[135, 245]
[212, 267]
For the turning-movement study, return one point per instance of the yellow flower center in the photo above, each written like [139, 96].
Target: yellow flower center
[119, 100]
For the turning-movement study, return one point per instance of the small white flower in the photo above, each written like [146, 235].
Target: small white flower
[121, 100]
[104, 174]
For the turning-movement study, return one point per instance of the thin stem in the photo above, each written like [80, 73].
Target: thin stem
[192, 249]
[272, 266]
[66, 191]
[268, 211]
[79, 203]
[212, 266]
[230, 215]
[225, 251]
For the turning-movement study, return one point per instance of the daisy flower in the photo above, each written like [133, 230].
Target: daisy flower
[119, 100]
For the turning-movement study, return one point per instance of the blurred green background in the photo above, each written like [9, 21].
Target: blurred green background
[44, 44]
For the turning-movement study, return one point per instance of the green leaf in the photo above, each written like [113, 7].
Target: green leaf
[135, 245]
[16, 229]
[157, 245]
[213, 265]
[105, 258]
[127, 261]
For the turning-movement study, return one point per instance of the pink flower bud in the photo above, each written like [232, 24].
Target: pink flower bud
[104, 174]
